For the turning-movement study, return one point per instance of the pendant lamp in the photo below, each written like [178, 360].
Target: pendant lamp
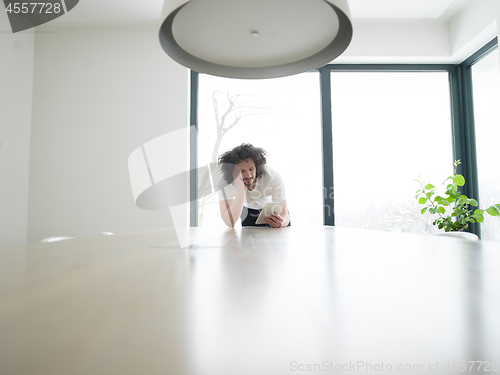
[254, 39]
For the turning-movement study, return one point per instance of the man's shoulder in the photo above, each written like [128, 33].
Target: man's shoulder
[270, 177]
[270, 172]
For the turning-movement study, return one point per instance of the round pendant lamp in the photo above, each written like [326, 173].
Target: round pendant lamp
[254, 39]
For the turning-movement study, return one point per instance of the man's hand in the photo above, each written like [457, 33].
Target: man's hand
[238, 178]
[275, 220]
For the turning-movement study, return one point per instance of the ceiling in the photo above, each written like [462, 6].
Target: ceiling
[150, 10]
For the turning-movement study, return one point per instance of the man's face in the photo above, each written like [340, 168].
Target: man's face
[248, 171]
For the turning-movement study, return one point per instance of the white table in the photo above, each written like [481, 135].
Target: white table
[250, 301]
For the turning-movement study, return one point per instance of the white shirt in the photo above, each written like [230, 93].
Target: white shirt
[268, 188]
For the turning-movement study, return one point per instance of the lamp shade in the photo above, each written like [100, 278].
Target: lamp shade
[255, 38]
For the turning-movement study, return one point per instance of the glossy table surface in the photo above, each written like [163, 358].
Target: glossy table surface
[251, 301]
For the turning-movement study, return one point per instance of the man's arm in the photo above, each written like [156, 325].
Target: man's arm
[279, 219]
[230, 209]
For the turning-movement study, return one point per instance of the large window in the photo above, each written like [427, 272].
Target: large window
[349, 140]
[283, 116]
[388, 128]
[486, 93]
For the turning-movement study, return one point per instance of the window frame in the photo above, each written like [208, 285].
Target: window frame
[327, 125]
[464, 134]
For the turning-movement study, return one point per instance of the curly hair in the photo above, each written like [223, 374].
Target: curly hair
[229, 159]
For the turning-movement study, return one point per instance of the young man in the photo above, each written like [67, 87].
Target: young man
[251, 184]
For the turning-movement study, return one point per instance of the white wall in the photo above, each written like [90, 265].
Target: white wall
[475, 24]
[99, 92]
[420, 41]
[16, 89]
[397, 41]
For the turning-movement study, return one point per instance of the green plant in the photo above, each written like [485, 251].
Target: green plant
[461, 215]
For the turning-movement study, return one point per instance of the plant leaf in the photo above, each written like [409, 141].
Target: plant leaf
[429, 186]
[493, 211]
[438, 199]
[422, 200]
[450, 199]
[459, 180]
[473, 202]
[423, 210]
[478, 217]
[441, 210]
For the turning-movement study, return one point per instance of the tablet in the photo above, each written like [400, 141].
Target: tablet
[269, 209]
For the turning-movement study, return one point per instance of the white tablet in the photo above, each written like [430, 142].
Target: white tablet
[269, 209]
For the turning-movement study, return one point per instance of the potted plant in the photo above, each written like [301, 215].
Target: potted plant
[452, 208]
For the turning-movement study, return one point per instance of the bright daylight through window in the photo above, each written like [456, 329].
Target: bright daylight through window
[486, 91]
[282, 116]
[388, 128]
